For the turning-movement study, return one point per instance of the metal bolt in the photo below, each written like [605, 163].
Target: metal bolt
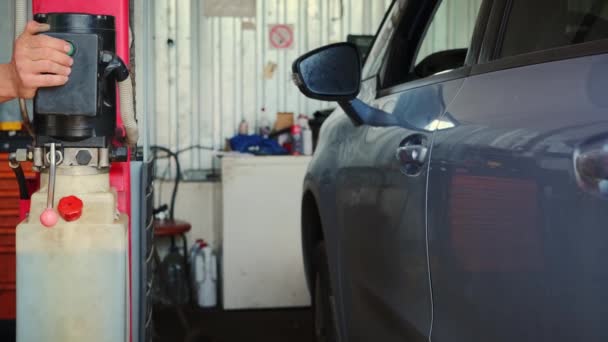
[21, 155]
[83, 157]
[106, 57]
[38, 158]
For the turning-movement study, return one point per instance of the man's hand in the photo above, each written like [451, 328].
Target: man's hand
[39, 61]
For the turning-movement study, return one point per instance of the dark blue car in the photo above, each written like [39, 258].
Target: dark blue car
[460, 193]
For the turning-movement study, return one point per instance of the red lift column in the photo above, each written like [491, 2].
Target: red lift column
[119, 9]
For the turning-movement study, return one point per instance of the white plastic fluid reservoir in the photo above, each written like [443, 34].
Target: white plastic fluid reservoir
[205, 264]
[72, 278]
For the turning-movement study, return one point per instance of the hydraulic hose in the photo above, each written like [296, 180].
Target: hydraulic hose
[20, 176]
[117, 69]
[20, 20]
[127, 111]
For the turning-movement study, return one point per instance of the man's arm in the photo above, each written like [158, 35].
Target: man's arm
[38, 61]
[8, 90]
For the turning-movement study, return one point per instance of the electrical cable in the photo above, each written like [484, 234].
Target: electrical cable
[173, 155]
[195, 147]
[178, 176]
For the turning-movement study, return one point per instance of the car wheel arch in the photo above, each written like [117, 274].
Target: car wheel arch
[312, 234]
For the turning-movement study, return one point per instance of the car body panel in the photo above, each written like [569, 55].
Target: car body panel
[375, 204]
[518, 248]
[513, 238]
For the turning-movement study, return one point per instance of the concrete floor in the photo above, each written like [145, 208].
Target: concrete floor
[293, 325]
[191, 324]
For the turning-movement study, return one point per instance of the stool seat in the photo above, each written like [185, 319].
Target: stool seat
[169, 228]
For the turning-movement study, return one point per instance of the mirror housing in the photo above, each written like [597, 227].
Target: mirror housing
[333, 73]
[329, 73]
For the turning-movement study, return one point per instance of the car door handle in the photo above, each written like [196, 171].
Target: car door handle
[411, 154]
[593, 164]
[592, 171]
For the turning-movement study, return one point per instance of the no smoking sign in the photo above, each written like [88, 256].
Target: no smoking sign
[281, 36]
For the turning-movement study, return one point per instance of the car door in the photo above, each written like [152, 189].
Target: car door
[517, 201]
[382, 175]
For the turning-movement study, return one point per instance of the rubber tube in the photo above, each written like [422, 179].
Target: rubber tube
[21, 182]
[127, 111]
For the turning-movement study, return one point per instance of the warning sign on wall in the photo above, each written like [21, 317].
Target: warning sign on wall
[280, 36]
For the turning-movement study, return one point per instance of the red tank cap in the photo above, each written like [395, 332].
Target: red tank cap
[70, 208]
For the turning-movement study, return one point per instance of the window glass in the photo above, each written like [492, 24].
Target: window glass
[432, 37]
[545, 24]
[378, 50]
[451, 28]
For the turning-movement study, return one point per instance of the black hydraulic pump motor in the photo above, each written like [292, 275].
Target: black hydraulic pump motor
[81, 113]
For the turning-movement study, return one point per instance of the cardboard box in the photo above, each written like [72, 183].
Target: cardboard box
[284, 120]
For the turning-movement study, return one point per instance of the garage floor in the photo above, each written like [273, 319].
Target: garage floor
[294, 325]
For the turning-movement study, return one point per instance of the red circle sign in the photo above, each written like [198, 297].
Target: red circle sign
[281, 36]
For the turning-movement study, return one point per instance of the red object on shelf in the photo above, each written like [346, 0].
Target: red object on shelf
[70, 208]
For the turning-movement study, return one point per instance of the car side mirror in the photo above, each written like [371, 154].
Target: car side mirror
[329, 73]
[333, 73]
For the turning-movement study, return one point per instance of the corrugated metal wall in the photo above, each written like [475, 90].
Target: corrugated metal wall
[209, 71]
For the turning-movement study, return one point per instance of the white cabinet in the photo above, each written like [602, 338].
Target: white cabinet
[262, 265]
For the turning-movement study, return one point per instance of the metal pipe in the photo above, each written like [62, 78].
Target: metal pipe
[50, 197]
[25, 117]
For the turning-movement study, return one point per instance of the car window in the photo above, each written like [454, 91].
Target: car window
[382, 39]
[545, 24]
[451, 28]
[435, 40]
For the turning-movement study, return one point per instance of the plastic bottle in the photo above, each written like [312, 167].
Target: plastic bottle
[205, 276]
[175, 278]
[198, 244]
[196, 247]
[243, 127]
[296, 135]
[307, 142]
[303, 121]
[264, 127]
